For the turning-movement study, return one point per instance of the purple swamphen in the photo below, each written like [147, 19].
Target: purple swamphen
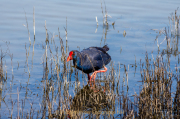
[90, 60]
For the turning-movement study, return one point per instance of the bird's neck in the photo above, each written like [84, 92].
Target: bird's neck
[77, 59]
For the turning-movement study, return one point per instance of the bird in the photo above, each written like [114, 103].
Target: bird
[90, 60]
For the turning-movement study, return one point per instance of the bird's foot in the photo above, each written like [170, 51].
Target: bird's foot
[103, 89]
[93, 88]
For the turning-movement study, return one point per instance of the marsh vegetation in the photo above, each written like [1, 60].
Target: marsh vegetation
[63, 91]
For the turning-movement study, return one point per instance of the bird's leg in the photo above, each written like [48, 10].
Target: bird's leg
[94, 75]
[89, 79]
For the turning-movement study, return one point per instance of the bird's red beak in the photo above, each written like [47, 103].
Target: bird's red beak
[69, 58]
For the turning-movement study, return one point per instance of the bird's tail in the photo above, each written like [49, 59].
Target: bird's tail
[106, 48]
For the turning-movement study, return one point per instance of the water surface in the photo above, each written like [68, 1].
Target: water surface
[136, 18]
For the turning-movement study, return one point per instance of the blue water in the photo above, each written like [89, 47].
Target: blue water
[136, 18]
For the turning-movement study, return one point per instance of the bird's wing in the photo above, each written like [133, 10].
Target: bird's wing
[98, 48]
[97, 56]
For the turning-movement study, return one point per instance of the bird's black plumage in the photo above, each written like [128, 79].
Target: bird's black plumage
[91, 59]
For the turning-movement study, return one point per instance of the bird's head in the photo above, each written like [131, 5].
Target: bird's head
[71, 55]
